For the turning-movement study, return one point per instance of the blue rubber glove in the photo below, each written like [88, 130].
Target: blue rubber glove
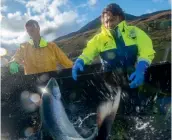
[137, 77]
[79, 65]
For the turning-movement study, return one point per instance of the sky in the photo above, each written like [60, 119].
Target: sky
[60, 17]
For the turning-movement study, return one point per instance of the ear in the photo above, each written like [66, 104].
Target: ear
[101, 19]
[120, 18]
[38, 28]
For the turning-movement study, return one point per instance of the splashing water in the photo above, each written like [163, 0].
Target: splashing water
[80, 121]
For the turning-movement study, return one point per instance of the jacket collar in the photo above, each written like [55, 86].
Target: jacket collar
[43, 43]
[121, 26]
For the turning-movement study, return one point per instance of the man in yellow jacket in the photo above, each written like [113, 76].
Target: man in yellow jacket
[119, 46]
[37, 55]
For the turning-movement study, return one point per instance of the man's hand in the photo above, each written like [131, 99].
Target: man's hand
[78, 65]
[14, 67]
[137, 77]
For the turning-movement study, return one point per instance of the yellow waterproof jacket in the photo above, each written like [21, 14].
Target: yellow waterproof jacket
[128, 45]
[42, 59]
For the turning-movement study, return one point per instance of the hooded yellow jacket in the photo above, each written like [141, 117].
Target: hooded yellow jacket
[42, 59]
[128, 46]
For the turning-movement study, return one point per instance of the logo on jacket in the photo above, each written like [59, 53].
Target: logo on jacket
[132, 34]
[110, 55]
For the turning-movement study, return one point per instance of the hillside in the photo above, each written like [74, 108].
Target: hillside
[93, 25]
[96, 23]
[158, 27]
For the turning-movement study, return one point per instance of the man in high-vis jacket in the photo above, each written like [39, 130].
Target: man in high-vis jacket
[118, 45]
[37, 55]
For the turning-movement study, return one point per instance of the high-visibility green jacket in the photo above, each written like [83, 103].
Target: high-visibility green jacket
[125, 45]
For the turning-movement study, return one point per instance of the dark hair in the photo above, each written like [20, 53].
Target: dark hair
[115, 9]
[31, 23]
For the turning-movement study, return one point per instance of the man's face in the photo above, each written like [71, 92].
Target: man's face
[33, 31]
[110, 21]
